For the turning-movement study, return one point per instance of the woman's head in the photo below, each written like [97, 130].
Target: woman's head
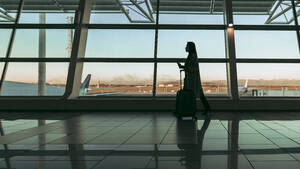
[190, 47]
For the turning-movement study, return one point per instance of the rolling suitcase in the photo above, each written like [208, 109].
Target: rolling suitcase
[186, 105]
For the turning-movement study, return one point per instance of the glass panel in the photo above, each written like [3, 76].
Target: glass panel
[118, 79]
[57, 11]
[113, 12]
[191, 12]
[266, 44]
[167, 79]
[266, 79]
[209, 43]
[120, 43]
[58, 43]
[25, 83]
[8, 11]
[262, 12]
[213, 79]
[5, 37]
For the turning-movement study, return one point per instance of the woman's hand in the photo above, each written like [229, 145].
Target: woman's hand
[179, 65]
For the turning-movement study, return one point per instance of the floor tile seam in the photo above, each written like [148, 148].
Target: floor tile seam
[288, 128]
[226, 129]
[278, 133]
[108, 131]
[149, 162]
[43, 144]
[244, 155]
[295, 157]
[113, 127]
[29, 131]
[278, 145]
[270, 160]
[124, 142]
[171, 125]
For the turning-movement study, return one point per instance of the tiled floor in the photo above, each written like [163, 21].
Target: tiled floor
[145, 140]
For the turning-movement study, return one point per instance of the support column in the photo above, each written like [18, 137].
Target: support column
[78, 49]
[230, 51]
[155, 51]
[42, 54]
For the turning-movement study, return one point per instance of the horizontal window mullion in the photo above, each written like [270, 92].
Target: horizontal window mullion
[147, 26]
[268, 60]
[152, 26]
[145, 60]
[265, 27]
[38, 26]
[34, 59]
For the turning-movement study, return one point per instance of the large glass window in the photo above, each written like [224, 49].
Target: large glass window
[53, 11]
[5, 37]
[126, 30]
[209, 43]
[266, 44]
[8, 11]
[120, 43]
[191, 12]
[266, 79]
[58, 43]
[118, 79]
[262, 12]
[123, 12]
[213, 79]
[22, 79]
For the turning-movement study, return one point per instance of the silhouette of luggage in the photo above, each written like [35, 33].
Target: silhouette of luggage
[186, 105]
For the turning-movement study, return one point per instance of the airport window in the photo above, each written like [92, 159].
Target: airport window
[209, 43]
[123, 12]
[213, 79]
[167, 79]
[117, 79]
[58, 13]
[25, 83]
[266, 44]
[269, 79]
[5, 36]
[58, 43]
[263, 12]
[123, 38]
[110, 43]
[192, 12]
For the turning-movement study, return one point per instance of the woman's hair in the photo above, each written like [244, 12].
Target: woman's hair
[192, 47]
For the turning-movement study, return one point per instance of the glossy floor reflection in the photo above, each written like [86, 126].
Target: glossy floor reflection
[149, 141]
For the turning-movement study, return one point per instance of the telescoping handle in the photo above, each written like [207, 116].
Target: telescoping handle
[180, 82]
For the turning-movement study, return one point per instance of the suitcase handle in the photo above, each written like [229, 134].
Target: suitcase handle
[180, 82]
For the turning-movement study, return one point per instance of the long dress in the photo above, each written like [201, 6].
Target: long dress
[192, 79]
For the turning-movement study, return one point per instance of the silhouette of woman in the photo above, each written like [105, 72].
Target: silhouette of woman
[192, 79]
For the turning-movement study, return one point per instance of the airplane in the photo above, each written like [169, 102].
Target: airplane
[84, 86]
[245, 89]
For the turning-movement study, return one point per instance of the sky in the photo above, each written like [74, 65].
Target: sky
[140, 44]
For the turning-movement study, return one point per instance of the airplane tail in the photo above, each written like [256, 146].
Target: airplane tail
[246, 83]
[85, 84]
